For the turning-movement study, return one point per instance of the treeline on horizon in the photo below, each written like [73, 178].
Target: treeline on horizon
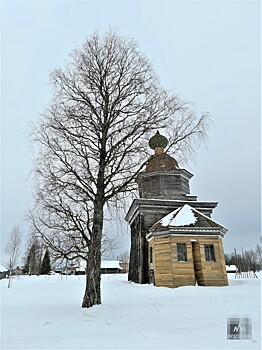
[246, 260]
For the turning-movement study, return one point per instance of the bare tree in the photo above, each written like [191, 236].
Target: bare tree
[108, 245]
[258, 253]
[247, 262]
[92, 142]
[13, 250]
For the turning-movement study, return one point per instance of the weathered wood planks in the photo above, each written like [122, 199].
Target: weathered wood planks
[170, 272]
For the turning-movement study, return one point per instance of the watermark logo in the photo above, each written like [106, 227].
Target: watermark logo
[239, 328]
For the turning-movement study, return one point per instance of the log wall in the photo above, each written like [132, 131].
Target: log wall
[172, 184]
[169, 272]
[163, 262]
[138, 261]
[214, 272]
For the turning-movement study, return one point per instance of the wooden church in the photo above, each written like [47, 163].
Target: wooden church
[174, 241]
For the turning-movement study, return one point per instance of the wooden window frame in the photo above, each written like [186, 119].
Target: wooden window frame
[181, 255]
[210, 253]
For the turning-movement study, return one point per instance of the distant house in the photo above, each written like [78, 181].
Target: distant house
[3, 272]
[231, 268]
[110, 266]
[107, 266]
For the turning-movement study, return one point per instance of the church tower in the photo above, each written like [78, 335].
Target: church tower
[164, 190]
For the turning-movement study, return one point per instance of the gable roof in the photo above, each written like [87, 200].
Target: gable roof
[3, 269]
[185, 216]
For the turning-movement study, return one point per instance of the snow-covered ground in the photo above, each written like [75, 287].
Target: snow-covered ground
[45, 312]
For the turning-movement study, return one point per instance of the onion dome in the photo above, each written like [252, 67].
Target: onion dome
[158, 142]
[160, 161]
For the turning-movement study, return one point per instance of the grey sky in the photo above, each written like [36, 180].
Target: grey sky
[208, 52]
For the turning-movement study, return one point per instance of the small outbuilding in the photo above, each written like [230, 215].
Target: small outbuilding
[231, 269]
[3, 272]
[110, 266]
[185, 248]
[107, 266]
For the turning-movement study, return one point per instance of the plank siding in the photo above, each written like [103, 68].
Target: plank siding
[172, 184]
[214, 272]
[163, 262]
[183, 271]
[170, 272]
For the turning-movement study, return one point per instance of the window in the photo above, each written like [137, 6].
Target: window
[181, 252]
[210, 252]
[151, 254]
[152, 277]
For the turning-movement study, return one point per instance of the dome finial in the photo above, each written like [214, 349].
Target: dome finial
[158, 142]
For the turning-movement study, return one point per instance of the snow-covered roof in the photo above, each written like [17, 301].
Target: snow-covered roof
[110, 264]
[183, 217]
[3, 269]
[179, 217]
[105, 264]
[230, 268]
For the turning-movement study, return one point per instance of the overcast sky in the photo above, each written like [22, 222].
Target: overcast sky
[206, 51]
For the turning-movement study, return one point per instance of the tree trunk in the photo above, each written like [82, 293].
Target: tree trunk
[92, 294]
[9, 281]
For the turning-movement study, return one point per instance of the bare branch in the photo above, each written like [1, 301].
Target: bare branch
[92, 141]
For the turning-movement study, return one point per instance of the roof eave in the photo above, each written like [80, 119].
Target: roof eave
[188, 231]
